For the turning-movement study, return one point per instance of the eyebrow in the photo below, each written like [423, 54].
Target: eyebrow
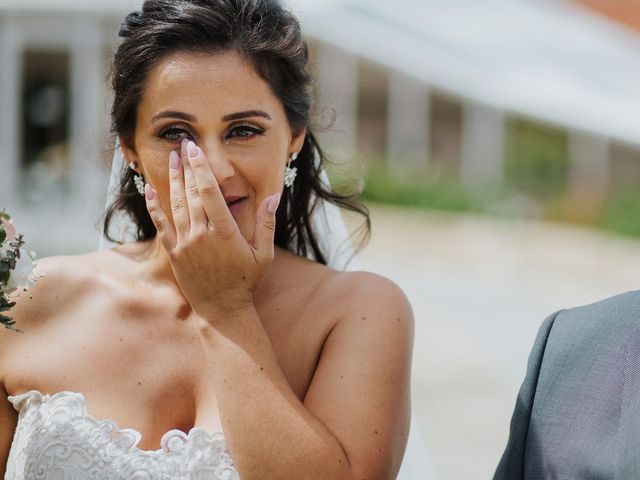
[247, 114]
[227, 118]
[174, 114]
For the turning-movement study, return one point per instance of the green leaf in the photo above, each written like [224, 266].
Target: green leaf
[6, 308]
[4, 266]
[4, 277]
[9, 324]
[3, 235]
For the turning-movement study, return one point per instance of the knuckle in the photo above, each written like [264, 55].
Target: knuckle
[178, 250]
[178, 204]
[199, 233]
[209, 190]
[193, 191]
[158, 222]
[270, 225]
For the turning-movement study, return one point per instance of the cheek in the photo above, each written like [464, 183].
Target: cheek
[156, 167]
[265, 176]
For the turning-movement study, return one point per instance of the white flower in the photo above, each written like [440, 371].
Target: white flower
[8, 228]
[22, 276]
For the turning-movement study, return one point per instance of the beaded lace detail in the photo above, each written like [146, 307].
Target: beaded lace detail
[57, 439]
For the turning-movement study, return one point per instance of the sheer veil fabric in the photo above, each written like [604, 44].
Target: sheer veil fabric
[335, 240]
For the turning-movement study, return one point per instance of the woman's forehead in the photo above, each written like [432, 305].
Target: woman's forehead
[197, 81]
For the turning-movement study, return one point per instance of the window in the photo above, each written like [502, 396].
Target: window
[46, 159]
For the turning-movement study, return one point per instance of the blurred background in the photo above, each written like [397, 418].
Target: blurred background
[497, 141]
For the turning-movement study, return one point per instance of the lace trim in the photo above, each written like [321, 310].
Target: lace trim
[172, 441]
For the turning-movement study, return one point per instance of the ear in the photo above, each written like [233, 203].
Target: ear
[297, 141]
[129, 151]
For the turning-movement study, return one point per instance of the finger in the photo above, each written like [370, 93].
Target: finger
[166, 231]
[212, 199]
[263, 238]
[197, 216]
[179, 208]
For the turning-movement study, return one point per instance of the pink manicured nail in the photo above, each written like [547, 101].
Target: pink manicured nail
[149, 192]
[273, 204]
[174, 160]
[192, 149]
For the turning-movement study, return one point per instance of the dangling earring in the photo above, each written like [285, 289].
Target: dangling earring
[290, 173]
[137, 179]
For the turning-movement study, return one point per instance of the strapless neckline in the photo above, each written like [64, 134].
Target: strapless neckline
[169, 440]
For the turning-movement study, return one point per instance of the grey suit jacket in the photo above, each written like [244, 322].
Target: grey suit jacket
[577, 415]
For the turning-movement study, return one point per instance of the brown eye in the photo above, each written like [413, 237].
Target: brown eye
[244, 132]
[175, 135]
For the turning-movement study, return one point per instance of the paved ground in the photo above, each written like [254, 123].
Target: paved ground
[480, 287]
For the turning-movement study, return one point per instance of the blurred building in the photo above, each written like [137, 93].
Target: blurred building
[490, 92]
[54, 135]
[427, 87]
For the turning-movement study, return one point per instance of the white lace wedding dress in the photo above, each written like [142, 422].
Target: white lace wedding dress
[58, 439]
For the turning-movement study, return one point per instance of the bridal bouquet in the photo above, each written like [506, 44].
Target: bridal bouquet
[16, 267]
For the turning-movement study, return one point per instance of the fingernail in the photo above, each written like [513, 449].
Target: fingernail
[192, 150]
[174, 160]
[149, 192]
[274, 202]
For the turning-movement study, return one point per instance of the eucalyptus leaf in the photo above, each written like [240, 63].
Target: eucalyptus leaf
[8, 323]
[6, 308]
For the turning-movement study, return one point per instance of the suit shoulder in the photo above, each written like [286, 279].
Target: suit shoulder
[592, 334]
[620, 311]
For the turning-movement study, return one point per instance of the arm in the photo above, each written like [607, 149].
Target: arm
[511, 465]
[354, 421]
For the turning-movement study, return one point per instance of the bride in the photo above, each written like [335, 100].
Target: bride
[210, 347]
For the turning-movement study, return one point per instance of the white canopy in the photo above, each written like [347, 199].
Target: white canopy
[549, 60]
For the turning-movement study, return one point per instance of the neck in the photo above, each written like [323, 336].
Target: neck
[156, 267]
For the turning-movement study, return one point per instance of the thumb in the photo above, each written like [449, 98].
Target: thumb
[266, 226]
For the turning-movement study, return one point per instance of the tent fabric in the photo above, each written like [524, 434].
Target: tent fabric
[552, 61]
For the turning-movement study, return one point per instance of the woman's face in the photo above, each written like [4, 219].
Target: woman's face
[220, 103]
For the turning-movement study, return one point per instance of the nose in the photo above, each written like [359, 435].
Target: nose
[220, 160]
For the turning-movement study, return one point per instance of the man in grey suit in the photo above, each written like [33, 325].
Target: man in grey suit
[577, 415]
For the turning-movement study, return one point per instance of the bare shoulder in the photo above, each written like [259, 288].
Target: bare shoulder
[345, 296]
[60, 281]
[367, 295]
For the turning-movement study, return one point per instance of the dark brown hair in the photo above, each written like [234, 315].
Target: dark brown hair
[270, 38]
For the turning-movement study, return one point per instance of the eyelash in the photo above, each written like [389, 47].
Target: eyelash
[251, 130]
[174, 131]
